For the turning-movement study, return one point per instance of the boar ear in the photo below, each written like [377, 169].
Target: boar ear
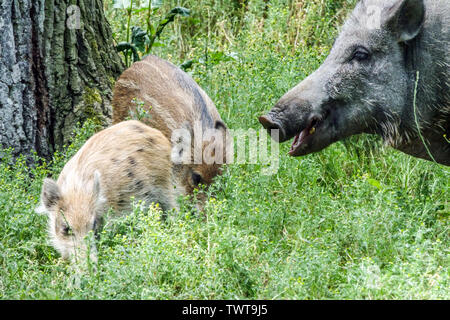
[405, 18]
[50, 194]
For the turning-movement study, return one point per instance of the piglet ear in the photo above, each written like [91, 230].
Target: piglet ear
[228, 151]
[97, 184]
[97, 191]
[50, 195]
[220, 125]
[41, 209]
[405, 18]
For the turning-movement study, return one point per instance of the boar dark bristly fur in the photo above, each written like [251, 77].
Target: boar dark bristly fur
[368, 83]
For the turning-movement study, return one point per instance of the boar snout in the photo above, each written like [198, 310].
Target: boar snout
[286, 117]
[305, 115]
[269, 125]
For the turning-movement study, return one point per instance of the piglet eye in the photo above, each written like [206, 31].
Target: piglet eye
[67, 231]
[196, 179]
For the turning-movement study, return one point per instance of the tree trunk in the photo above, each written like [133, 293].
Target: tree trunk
[57, 67]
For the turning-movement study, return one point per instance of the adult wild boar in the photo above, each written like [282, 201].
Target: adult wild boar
[388, 73]
[127, 160]
[172, 100]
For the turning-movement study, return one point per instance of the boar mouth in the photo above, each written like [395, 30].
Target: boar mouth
[302, 140]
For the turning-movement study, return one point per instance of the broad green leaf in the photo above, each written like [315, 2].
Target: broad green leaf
[187, 64]
[152, 30]
[124, 46]
[158, 44]
[184, 12]
[139, 10]
[139, 38]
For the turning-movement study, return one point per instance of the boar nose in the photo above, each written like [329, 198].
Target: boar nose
[269, 124]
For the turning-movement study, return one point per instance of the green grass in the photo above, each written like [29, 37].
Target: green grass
[355, 221]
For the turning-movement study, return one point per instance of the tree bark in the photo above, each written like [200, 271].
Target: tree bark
[57, 67]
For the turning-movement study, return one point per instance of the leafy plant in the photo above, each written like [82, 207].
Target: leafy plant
[141, 112]
[142, 41]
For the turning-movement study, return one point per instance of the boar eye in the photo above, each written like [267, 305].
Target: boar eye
[196, 178]
[361, 54]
